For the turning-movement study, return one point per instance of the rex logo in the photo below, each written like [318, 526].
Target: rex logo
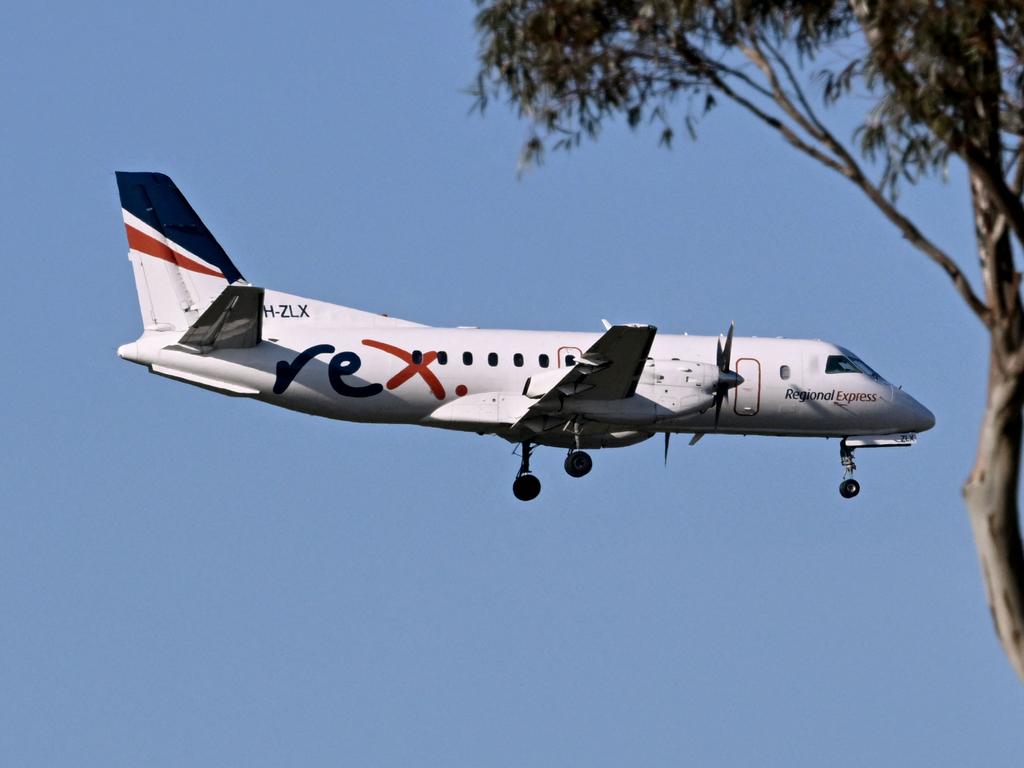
[348, 363]
[341, 365]
[412, 367]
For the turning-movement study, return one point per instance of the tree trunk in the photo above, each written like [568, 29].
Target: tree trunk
[992, 487]
[991, 496]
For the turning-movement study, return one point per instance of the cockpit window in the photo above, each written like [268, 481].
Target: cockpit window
[864, 367]
[840, 364]
[849, 363]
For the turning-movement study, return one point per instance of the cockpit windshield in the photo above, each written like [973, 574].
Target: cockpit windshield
[850, 363]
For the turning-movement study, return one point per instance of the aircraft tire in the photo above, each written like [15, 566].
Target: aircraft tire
[526, 487]
[578, 463]
[849, 488]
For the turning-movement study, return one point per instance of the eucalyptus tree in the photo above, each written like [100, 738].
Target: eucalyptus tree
[944, 82]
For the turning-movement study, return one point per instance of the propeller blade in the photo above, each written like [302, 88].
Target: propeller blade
[668, 435]
[727, 354]
[727, 379]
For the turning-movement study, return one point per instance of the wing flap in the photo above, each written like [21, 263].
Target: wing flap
[609, 370]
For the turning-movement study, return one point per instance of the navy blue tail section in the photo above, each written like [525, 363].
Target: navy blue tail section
[154, 199]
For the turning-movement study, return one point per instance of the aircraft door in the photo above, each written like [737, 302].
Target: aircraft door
[567, 356]
[747, 396]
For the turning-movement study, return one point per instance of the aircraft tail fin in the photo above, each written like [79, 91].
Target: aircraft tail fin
[180, 268]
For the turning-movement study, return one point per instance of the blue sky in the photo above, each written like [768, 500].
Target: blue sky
[191, 579]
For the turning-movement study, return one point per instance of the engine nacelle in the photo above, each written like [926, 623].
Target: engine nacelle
[667, 390]
[679, 387]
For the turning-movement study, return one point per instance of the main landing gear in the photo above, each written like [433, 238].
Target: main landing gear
[849, 487]
[527, 487]
[578, 463]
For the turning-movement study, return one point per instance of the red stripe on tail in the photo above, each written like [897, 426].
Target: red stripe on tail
[140, 241]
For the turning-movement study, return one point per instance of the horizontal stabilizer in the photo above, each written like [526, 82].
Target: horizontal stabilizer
[233, 321]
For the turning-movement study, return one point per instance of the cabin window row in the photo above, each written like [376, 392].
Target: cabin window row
[492, 359]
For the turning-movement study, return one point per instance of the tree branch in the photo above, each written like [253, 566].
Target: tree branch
[775, 123]
[849, 168]
[1017, 188]
[797, 89]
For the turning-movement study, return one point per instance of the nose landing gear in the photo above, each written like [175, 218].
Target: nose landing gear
[849, 487]
[526, 487]
[578, 463]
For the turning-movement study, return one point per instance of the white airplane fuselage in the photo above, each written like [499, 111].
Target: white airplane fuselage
[205, 325]
[470, 393]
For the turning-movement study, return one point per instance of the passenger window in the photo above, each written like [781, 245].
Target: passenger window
[570, 361]
[417, 357]
[442, 358]
[492, 359]
[784, 372]
[544, 361]
[517, 360]
[467, 358]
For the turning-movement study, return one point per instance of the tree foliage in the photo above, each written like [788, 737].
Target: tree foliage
[943, 81]
[569, 65]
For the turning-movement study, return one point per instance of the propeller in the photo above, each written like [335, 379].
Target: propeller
[693, 441]
[727, 378]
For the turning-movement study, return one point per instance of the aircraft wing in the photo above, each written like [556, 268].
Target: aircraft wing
[233, 321]
[609, 370]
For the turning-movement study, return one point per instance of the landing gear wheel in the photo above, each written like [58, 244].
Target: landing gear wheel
[526, 487]
[578, 463]
[849, 488]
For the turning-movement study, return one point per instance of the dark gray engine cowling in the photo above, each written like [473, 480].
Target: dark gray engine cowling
[668, 390]
[678, 387]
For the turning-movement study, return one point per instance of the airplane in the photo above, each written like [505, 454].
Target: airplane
[205, 325]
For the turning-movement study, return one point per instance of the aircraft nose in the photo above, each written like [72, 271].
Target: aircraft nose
[918, 418]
